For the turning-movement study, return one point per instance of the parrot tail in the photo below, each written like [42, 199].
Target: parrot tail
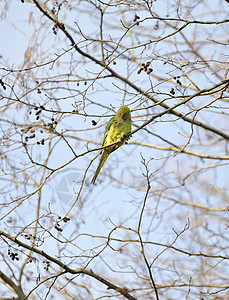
[101, 163]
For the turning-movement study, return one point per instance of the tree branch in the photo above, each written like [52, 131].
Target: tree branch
[17, 289]
[90, 273]
[138, 89]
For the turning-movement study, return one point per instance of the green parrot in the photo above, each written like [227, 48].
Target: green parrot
[118, 127]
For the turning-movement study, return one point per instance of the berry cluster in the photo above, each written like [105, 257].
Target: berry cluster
[54, 29]
[38, 111]
[29, 129]
[57, 226]
[2, 84]
[145, 67]
[47, 264]
[29, 260]
[177, 80]
[172, 91]
[55, 11]
[136, 18]
[13, 256]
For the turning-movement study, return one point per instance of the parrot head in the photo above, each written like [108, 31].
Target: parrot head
[123, 112]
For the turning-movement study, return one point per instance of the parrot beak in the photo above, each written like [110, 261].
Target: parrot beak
[122, 115]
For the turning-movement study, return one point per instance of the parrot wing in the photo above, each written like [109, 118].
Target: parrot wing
[108, 126]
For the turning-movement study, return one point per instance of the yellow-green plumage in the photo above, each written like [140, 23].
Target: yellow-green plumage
[118, 127]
